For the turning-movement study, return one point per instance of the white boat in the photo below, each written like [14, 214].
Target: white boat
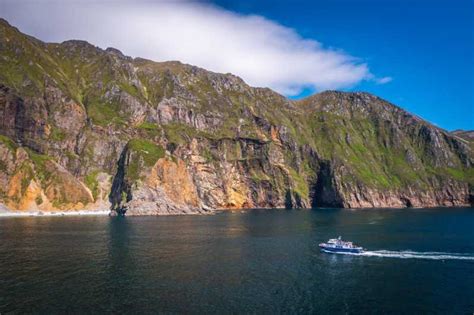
[337, 245]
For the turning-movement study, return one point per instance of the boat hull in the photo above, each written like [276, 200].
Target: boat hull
[341, 250]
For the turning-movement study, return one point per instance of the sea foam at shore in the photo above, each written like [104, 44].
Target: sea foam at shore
[7, 213]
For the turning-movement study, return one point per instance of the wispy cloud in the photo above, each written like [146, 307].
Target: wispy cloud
[261, 51]
[383, 80]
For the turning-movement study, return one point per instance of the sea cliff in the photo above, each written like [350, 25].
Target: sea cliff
[83, 128]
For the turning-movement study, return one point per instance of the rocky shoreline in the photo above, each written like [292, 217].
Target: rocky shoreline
[4, 214]
[66, 213]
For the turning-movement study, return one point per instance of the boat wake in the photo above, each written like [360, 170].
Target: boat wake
[417, 255]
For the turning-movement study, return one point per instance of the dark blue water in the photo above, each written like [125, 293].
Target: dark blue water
[260, 261]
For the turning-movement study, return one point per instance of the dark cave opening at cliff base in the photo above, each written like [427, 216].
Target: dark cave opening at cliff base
[323, 192]
[406, 202]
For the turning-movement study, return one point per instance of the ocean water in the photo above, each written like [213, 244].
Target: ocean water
[418, 261]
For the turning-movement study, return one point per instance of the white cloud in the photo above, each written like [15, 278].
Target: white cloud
[383, 80]
[262, 52]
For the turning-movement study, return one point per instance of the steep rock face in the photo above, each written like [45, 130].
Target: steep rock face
[242, 173]
[88, 128]
[148, 182]
[384, 157]
[30, 181]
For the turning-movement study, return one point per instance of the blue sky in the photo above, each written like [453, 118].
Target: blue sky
[418, 54]
[427, 47]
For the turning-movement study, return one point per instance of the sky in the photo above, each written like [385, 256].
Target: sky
[418, 54]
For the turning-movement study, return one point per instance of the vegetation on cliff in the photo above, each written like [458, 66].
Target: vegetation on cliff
[123, 129]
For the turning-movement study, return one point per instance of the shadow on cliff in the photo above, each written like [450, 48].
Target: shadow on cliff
[323, 192]
[120, 193]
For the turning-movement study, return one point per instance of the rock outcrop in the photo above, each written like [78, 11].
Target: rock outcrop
[86, 128]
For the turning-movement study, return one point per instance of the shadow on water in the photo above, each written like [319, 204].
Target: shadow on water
[119, 265]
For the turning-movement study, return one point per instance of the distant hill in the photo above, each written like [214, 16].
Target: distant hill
[465, 134]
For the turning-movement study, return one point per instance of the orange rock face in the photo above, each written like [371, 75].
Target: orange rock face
[44, 186]
[176, 182]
